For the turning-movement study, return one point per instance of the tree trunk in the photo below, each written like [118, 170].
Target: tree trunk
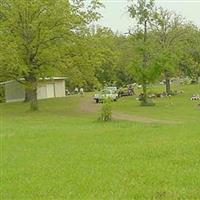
[144, 88]
[167, 83]
[33, 98]
[144, 84]
[168, 86]
[27, 94]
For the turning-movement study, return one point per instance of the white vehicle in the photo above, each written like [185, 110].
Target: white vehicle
[195, 97]
[112, 88]
[105, 94]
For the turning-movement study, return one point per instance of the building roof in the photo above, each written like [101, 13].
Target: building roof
[53, 78]
[41, 79]
[5, 82]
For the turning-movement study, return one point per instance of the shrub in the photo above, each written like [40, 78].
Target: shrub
[149, 102]
[173, 93]
[106, 111]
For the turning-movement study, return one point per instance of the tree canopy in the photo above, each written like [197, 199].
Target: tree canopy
[38, 35]
[48, 38]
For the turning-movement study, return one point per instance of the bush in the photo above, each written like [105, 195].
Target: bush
[106, 111]
[149, 102]
[173, 93]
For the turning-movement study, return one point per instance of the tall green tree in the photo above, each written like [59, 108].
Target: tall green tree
[37, 35]
[170, 31]
[190, 60]
[109, 55]
[126, 51]
[84, 60]
[94, 59]
[142, 12]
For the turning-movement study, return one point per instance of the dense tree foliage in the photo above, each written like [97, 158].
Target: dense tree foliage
[170, 31]
[100, 58]
[143, 12]
[37, 35]
[49, 38]
[190, 60]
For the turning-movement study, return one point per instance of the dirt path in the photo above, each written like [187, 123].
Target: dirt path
[88, 105]
[135, 118]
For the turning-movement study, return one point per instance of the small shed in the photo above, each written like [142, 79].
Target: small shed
[47, 88]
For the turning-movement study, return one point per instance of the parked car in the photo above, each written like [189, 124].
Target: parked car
[126, 91]
[112, 88]
[105, 94]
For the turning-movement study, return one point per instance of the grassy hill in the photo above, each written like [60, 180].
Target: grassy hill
[62, 152]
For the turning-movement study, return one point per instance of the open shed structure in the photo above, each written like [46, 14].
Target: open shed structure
[47, 88]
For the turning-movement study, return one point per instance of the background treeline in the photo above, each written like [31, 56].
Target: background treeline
[58, 38]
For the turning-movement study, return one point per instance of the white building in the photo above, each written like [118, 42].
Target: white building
[47, 88]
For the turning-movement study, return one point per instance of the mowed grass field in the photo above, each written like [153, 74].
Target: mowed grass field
[61, 152]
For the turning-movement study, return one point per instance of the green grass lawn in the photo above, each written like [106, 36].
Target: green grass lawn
[178, 108]
[62, 153]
